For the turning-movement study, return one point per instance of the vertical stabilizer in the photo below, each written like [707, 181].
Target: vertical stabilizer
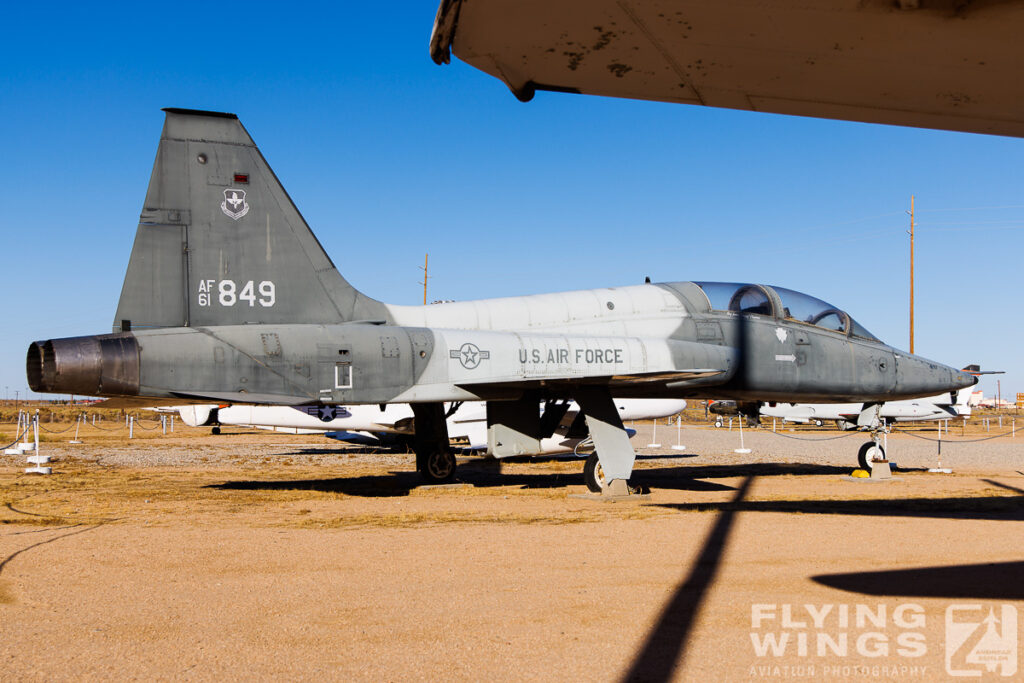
[220, 242]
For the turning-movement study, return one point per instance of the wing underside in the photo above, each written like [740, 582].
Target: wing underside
[946, 64]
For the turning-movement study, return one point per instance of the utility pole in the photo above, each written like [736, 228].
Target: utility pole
[911, 273]
[425, 278]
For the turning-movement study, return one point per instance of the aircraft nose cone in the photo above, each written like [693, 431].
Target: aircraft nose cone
[919, 376]
[965, 379]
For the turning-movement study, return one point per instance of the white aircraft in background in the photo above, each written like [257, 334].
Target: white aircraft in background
[392, 424]
[940, 407]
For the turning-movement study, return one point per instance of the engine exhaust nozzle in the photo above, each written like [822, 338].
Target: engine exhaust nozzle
[100, 365]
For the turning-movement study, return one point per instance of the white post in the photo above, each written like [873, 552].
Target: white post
[654, 437]
[78, 424]
[163, 423]
[35, 458]
[172, 424]
[730, 424]
[679, 433]
[773, 425]
[131, 427]
[939, 468]
[742, 448]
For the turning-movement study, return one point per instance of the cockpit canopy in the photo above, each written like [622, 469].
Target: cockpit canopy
[780, 302]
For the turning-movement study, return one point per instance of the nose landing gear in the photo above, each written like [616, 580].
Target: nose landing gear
[869, 454]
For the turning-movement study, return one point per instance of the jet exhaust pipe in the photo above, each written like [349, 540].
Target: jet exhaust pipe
[100, 365]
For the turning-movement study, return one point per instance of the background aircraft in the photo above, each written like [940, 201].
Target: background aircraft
[229, 298]
[939, 407]
[392, 424]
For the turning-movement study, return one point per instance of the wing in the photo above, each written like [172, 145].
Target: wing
[620, 385]
[944, 64]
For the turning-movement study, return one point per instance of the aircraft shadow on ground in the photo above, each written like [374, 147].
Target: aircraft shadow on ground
[486, 472]
[998, 508]
[990, 581]
[476, 474]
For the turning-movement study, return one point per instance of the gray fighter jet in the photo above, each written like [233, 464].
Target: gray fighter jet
[230, 298]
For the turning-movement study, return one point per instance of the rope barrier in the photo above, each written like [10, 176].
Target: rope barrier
[953, 441]
[109, 429]
[18, 437]
[803, 438]
[58, 431]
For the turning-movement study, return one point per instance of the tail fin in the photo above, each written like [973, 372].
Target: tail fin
[220, 242]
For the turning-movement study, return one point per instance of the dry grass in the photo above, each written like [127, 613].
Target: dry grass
[6, 598]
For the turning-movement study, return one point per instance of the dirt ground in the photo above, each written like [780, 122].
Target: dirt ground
[255, 555]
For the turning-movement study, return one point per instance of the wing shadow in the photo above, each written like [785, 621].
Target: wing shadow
[990, 581]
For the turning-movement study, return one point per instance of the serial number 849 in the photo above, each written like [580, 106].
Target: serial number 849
[228, 293]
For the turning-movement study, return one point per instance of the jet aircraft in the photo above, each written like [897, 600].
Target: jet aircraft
[940, 407]
[229, 298]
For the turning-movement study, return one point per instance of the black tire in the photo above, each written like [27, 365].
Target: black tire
[437, 467]
[215, 430]
[593, 475]
[819, 423]
[868, 453]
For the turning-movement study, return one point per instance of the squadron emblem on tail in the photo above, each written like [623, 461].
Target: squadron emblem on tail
[235, 199]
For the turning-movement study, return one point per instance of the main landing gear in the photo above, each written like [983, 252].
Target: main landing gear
[436, 466]
[607, 470]
[593, 474]
[435, 461]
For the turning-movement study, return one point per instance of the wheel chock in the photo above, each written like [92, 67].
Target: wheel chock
[880, 470]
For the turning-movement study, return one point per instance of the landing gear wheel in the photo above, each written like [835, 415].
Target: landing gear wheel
[819, 423]
[215, 430]
[868, 454]
[437, 467]
[718, 424]
[593, 474]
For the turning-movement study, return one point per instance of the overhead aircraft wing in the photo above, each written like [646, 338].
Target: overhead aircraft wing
[947, 64]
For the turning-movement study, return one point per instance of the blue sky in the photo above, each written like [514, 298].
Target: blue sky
[389, 156]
